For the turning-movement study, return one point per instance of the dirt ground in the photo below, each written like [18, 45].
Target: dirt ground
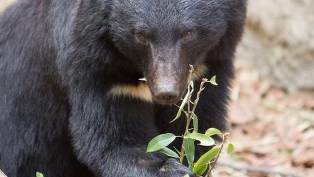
[273, 131]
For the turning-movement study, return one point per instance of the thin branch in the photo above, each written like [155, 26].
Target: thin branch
[224, 138]
[188, 114]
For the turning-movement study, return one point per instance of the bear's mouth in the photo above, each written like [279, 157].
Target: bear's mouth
[166, 101]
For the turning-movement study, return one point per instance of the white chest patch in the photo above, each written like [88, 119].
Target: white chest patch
[140, 91]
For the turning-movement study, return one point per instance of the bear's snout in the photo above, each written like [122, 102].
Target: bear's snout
[167, 95]
[167, 74]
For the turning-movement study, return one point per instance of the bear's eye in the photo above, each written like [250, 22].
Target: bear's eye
[141, 38]
[187, 35]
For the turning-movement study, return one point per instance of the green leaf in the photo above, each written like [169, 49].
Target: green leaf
[204, 139]
[38, 174]
[213, 81]
[201, 165]
[195, 123]
[213, 131]
[179, 113]
[183, 103]
[160, 142]
[199, 169]
[230, 148]
[169, 152]
[208, 156]
[189, 148]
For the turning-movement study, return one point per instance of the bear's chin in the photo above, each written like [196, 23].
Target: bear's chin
[165, 103]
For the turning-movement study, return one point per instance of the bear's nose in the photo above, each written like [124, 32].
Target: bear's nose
[167, 96]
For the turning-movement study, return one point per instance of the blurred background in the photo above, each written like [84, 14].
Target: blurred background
[272, 110]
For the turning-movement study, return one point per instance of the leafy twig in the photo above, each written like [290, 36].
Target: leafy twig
[188, 116]
[212, 166]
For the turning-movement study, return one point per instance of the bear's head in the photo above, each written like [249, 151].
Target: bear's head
[163, 37]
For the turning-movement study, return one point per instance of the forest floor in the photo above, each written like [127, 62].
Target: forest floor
[272, 130]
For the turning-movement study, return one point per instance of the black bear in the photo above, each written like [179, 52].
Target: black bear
[71, 99]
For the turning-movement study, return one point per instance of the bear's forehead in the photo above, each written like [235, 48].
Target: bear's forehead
[167, 14]
[163, 11]
[161, 7]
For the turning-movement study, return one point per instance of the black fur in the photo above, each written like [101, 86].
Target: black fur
[59, 59]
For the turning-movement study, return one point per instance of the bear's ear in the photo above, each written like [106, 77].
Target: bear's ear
[91, 19]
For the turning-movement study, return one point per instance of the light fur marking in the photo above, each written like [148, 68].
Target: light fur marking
[140, 91]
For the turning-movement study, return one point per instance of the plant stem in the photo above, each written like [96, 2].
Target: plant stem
[198, 95]
[224, 137]
[188, 116]
[190, 112]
